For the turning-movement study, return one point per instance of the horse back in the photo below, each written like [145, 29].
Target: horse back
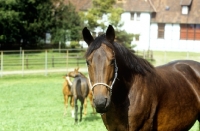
[80, 87]
[178, 93]
[183, 69]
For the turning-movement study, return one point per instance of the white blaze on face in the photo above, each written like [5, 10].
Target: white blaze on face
[68, 80]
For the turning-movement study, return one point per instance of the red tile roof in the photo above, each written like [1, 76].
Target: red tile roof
[185, 2]
[167, 11]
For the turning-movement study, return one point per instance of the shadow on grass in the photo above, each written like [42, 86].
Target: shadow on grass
[92, 117]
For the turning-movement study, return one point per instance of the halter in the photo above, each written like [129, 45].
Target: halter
[111, 86]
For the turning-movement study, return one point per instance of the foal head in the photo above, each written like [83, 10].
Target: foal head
[74, 73]
[102, 68]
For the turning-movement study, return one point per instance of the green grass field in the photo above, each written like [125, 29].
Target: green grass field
[35, 103]
[163, 57]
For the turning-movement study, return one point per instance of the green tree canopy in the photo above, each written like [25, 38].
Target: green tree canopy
[23, 23]
[93, 19]
[66, 25]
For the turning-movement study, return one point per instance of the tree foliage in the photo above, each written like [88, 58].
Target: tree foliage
[66, 23]
[23, 23]
[104, 13]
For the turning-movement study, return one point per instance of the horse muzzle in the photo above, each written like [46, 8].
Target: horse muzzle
[101, 104]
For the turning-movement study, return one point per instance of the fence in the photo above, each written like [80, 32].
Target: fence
[46, 61]
[40, 61]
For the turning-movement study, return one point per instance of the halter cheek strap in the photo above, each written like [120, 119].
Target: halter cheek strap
[111, 86]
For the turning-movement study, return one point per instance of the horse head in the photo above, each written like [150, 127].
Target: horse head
[74, 73]
[102, 67]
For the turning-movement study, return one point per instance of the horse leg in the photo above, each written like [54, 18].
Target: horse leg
[76, 110]
[81, 109]
[85, 107]
[65, 103]
[72, 106]
[91, 101]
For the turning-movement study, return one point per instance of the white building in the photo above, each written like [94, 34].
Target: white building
[165, 25]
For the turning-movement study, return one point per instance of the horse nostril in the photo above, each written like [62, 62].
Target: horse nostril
[100, 103]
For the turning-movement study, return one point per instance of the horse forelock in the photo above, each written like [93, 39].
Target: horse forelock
[97, 43]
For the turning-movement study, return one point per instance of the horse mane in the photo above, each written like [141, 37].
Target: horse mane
[81, 74]
[129, 60]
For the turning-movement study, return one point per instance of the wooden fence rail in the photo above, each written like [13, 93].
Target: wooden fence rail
[24, 61]
[45, 60]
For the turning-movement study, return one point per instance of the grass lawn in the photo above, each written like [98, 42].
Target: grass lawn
[35, 103]
[163, 57]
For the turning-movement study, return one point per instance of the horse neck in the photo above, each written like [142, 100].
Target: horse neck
[68, 81]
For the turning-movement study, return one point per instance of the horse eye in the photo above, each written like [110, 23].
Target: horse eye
[112, 62]
[87, 62]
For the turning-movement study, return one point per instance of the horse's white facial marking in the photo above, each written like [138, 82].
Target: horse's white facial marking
[68, 80]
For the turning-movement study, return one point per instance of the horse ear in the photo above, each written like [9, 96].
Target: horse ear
[110, 34]
[87, 36]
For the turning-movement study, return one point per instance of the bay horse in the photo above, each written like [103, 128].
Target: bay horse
[132, 95]
[67, 94]
[80, 90]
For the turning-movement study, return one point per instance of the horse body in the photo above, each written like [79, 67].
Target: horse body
[80, 90]
[179, 96]
[67, 94]
[142, 97]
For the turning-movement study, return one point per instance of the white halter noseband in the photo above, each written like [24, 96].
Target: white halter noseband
[111, 86]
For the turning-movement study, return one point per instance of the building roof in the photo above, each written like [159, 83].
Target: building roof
[137, 6]
[170, 11]
[185, 2]
[81, 5]
[165, 11]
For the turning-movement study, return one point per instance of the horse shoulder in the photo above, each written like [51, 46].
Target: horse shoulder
[65, 87]
[143, 103]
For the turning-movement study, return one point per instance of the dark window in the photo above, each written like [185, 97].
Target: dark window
[137, 37]
[153, 15]
[132, 15]
[197, 32]
[138, 16]
[161, 30]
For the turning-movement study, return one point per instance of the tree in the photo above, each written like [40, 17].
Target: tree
[111, 14]
[23, 23]
[66, 24]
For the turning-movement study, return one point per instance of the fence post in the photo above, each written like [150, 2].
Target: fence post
[151, 55]
[46, 72]
[165, 55]
[22, 62]
[144, 55]
[77, 61]
[1, 63]
[188, 55]
[67, 59]
[52, 61]
[26, 61]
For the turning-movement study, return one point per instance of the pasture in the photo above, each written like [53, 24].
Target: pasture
[35, 103]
